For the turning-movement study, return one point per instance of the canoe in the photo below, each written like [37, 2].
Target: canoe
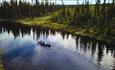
[44, 44]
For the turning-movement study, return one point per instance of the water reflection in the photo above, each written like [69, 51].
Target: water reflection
[15, 35]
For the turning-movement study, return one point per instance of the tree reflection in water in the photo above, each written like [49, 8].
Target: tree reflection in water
[86, 46]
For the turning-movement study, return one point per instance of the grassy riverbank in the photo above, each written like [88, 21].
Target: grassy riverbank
[76, 30]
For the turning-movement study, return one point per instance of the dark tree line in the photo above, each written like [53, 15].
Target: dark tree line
[79, 14]
[22, 8]
[100, 16]
[84, 13]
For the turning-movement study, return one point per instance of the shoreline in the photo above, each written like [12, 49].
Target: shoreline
[72, 30]
[78, 31]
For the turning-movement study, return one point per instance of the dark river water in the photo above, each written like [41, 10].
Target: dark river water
[67, 52]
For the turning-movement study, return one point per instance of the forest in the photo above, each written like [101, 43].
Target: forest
[80, 36]
[93, 19]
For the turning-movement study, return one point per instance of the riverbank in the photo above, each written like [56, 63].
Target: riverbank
[76, 30]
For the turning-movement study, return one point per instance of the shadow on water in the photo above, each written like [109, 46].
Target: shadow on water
[99, 53]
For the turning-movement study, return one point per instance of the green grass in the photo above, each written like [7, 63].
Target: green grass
[43, 22]
[47, 23]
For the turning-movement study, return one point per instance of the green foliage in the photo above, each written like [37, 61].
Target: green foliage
[23, 9]
[99, 16]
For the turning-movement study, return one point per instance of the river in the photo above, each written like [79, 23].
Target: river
[21, 51]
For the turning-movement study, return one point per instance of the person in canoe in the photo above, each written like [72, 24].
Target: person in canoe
[44, 44]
